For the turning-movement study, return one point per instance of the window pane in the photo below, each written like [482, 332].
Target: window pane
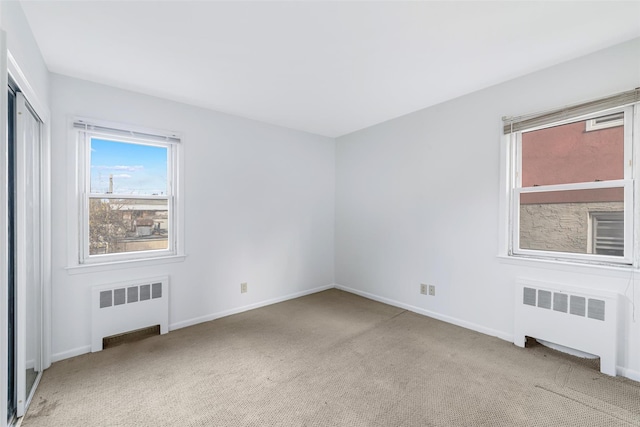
[573, 221]
[586, 151]
[127, 225]
[608, 233]
[127, 168]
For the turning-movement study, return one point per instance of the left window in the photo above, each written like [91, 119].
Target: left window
[127, 193]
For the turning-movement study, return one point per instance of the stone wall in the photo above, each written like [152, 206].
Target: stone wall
[560, 227]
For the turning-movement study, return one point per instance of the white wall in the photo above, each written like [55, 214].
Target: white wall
[259, 208]
[418, 201]
[24, 49]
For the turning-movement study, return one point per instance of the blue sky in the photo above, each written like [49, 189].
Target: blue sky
[136, 168]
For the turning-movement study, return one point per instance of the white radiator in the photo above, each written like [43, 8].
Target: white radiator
[127, 306]
[581, 319]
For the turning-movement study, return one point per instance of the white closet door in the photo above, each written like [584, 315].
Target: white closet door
[28, 253]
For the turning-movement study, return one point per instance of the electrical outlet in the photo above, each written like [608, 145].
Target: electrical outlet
[432, 290]
[243, 288]
[423, 289]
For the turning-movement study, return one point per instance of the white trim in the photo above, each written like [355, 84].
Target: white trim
[628, 373]
[592, 124]
[28, 151]
[575, 186]
[44, 114]
[604, 270]
[27, 90]
[225, 313]
[579, 118]
[449, 319]
[120, 127]
[118, 265]
[4, 273]
[634, 159]
[78, 351]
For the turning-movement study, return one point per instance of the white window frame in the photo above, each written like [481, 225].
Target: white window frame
[595, 219]
[85, 130]
[627, 183]
[594, 124]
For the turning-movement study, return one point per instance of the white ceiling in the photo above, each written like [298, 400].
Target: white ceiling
[328, 68]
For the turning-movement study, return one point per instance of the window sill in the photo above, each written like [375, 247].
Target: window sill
[117, 265]
[569, 266]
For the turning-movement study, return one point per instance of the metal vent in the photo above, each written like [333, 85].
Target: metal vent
[596, 309]
[119, 296]
[577, 306]
[564, 303]
[544, 299]
[137, 335]
[106, 299]
[560, 302]
[132, 294]
[156, 290]
[145, 292]
[529, 297]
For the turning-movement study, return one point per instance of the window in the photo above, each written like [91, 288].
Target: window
[571, 182]
[608, 121]
[607, 233]
[128, 193]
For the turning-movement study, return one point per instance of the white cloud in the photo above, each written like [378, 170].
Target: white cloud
[122, 175]
[119, 167]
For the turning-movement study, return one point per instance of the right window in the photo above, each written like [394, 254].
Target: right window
[572, 193]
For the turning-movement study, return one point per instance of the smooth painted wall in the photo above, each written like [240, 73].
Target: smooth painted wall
[23, 47]
[259, 208]
[418, 200]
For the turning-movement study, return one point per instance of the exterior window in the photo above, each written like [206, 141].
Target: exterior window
[607, 233]
[572, 193]
[127, 194]
[609, 121]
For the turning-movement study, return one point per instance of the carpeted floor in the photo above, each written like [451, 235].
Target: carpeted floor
[330, 359]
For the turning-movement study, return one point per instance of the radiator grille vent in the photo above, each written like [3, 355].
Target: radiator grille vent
[119, 308]
[529, 296]
[544, 299]
[560, 302]
[130, 294]
[577, 305]
[596, 309]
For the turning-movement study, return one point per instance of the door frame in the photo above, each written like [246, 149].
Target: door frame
[26, 153]
[44, 114]
[9, 67]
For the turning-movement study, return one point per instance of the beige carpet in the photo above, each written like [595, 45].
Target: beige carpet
[330, 359]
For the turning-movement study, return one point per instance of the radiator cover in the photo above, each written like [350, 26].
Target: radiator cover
[121, 307]
[578, 318]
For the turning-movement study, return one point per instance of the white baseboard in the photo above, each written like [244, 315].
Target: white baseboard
[218, 315]
[453, 320]
[628, 373]
[183, 324]
[56, 357]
